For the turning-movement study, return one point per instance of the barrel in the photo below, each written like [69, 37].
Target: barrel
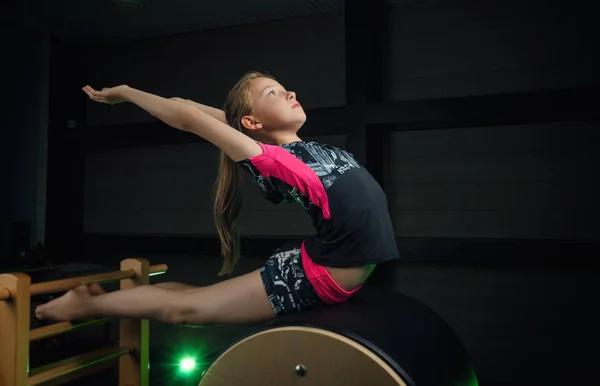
[375, 338]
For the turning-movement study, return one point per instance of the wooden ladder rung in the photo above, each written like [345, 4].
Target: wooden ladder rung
[61, 328]
[4, 294]
[76, 367]
[63, 285]
[130, 358]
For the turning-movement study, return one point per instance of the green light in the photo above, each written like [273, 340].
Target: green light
[187, 364]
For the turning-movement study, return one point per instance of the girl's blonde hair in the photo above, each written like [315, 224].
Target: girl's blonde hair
[228, 187]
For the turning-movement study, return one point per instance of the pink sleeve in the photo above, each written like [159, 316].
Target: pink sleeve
[276, 162]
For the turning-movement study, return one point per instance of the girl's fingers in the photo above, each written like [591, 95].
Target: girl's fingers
[97, 99]
[89, 90]
[96, 96]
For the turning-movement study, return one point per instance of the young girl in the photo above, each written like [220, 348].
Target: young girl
[257, 133]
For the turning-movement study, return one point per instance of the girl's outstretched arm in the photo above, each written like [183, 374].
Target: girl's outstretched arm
[212, 111]
[232, 142]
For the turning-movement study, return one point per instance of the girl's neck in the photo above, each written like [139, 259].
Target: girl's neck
[283, 139]
[295, 138]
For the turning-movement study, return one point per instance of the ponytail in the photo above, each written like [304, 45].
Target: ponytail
[227, 207]
[228, 192]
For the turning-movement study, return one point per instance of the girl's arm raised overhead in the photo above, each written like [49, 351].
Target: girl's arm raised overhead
[232, 142]
[212, 111]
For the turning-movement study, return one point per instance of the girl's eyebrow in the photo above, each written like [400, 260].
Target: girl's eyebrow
[264, 89]
[269, 86]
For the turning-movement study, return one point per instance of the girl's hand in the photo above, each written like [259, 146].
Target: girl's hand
[109, 96]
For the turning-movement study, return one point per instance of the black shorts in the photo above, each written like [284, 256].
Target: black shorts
[286, 283]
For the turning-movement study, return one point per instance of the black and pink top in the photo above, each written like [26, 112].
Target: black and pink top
[348, 207]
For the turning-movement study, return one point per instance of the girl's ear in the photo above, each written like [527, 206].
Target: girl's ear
[250, 123]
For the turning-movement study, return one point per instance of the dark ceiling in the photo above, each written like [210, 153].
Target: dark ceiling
[97, 20]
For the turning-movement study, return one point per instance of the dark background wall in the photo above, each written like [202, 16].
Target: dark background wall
[23, 137]
[489, 174]
[498, 181]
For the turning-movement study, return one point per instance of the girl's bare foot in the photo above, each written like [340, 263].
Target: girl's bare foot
[96, 289]
[72, 306]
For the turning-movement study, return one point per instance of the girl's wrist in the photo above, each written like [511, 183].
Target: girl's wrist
[125, 93]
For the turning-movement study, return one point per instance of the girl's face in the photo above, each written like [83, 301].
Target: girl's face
[274, 108]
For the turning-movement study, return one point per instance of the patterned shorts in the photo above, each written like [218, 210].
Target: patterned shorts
[286, 283]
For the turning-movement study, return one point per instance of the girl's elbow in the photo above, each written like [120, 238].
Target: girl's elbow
[187, 119]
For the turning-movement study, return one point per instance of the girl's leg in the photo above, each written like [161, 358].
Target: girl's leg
[174, 285]
[240, 300]
[96, 289]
